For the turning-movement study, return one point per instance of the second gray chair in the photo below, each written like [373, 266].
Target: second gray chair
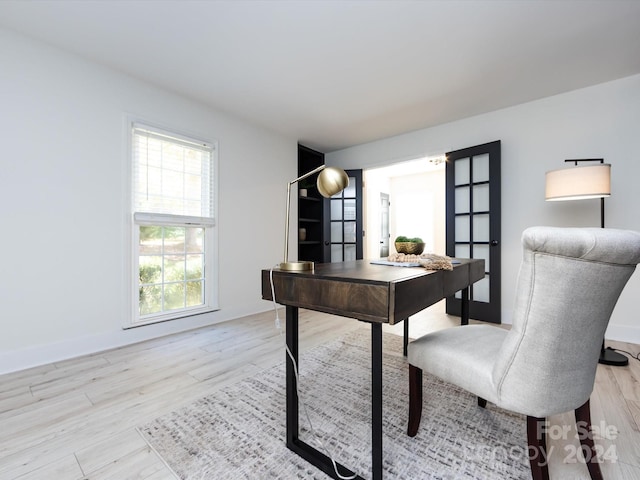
[569, 282]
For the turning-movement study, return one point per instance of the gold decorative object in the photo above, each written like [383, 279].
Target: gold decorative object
[410, 247]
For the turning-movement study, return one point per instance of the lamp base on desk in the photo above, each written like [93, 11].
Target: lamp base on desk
[296, 266]
[609, 356]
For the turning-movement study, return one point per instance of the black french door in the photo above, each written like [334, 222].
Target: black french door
[343, 231]
[473, 224]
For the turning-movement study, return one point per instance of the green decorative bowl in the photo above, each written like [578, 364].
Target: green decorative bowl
[409, 247]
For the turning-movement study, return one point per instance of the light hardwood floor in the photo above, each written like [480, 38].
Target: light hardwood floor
[76, 419]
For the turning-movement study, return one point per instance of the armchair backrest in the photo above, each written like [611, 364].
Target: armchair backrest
[569, 282]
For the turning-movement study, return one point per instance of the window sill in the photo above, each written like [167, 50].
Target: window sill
[166, 317]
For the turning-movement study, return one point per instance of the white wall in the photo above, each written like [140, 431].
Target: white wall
[62, 202]
[417, 208]
[596, 122]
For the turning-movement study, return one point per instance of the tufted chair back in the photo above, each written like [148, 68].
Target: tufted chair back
[558, 326]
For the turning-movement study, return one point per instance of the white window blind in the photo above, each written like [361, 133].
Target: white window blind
[171, 174]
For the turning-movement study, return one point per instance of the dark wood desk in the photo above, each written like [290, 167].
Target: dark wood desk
[375, 294]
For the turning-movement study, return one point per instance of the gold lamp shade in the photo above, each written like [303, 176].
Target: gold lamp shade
[578, 183]
[332, 180]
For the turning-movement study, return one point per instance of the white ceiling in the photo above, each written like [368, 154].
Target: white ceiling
[338, 73]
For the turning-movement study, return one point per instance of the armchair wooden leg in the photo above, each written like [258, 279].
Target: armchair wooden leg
[537, 441]
[482, 403]
[585, 434]
[415, 400]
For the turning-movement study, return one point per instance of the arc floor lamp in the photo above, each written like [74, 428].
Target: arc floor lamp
[581, 182]
[331, 180]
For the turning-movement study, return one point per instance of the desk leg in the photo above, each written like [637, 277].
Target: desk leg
[405, 341]
[376, 400]
[304, 450]
[464, 313]
[292, 397]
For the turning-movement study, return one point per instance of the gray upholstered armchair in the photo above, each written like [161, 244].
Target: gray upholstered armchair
[569, 282]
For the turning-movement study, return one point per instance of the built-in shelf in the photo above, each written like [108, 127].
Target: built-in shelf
[310, 208]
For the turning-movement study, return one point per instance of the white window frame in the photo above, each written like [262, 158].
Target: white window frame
[135, 220]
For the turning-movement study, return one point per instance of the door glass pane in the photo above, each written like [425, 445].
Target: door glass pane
[481, 290]
[350, 191]
[462, 229]
[480, 198]
[336, 253]
[481, 168]
[336, 209]
[461, 171]
[462, 251]
[349, 253]
[480, 228]
[350, 209]
[350, 232]
[462, 200]
[482, 252]
[336, 232]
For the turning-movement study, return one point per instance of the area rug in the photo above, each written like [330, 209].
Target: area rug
[239, 432]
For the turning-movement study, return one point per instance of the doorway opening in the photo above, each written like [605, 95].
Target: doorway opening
[415, 205]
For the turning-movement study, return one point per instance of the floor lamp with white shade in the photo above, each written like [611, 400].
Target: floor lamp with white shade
[582, 182]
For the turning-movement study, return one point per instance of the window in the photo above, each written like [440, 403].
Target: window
[173, 225]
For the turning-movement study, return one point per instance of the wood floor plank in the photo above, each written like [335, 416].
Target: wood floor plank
[34, 421]
[100, 454]
[634, 409]
[14, 399]
[63, 468]
[615, 414]
[162, 475]
[139, 464]
[24, 378]
[628, 378]
[628, 472]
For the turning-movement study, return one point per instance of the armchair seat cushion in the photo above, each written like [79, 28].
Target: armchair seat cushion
[466, 368]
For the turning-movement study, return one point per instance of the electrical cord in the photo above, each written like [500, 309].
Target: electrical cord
[635, 357]
[300, 401]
